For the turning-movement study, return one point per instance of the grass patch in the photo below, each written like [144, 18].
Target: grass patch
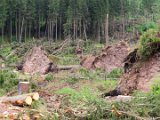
[148, 38]
[106, 85]
[49, 77]
[93, 75]
[69, 60]
[144, 105]
[116, 73]
[8, 80]
[85, 100]
[72, 79]
[8, 54]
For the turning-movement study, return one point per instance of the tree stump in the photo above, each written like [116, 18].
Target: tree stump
[23, 87]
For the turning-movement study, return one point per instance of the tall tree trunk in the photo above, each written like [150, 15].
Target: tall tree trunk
[21, 31]
[98, 32]
[56, 28]
[106, 29]
[39, 26]
[2, 30]
[29, 31]
[19, 26]
[80, 28]
[48, 31]
[122, 19]
[16, 28]
[74, 29]
[60, 28]
[11, 30]
[52, 30]
[25, 33]
[84, 31]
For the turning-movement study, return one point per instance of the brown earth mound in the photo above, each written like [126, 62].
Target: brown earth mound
[111, 58]
[37, 61]
[140, 75]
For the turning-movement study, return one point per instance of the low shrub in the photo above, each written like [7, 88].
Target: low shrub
[148, 38]
[85, 100]
[8, 80]
[8, 54]
[97, 74]
[49, 77]
[116, 73]
[72, 79]
[146, 26]
[69, 59]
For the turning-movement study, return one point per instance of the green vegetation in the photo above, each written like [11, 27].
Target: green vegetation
[8, 81]
[116, 73]
[8, 54]
[72, 79]
[147, 41]
[106, 85]
[146, 26]
[49, 77]
[144, 105]
[85, 100]
[92, 75]
[87, 24]
[68, 59]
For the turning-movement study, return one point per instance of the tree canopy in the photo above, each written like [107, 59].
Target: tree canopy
[55, 19]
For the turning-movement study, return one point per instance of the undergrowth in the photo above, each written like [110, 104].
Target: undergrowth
[147, 26]
[116, 73]
[147, 39]
[8, 81]
[85, 100]
[145, 105]
[99, 74]
[49, 77]
[69, 59]
[8, 55]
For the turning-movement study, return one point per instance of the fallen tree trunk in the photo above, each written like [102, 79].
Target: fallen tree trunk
[25, 99]
[61, 47]
[68, 67]
[17, 100]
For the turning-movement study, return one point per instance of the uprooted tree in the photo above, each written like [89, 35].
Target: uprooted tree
[109, 59]
[141, 65]
[37, 61]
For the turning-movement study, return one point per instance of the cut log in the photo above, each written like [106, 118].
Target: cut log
[25, 99]
[34, 96]
[17, 100]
